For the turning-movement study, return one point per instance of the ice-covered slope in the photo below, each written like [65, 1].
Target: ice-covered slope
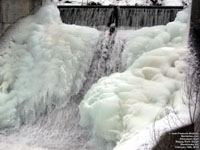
[125, 107]
[42, 64]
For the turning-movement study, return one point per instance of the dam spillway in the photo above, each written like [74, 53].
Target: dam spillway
[128, 16]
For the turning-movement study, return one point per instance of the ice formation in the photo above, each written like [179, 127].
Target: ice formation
[123, 107]
[147, 39]
[42, 64]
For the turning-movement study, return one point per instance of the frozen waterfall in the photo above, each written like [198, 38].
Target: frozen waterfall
[43, 81]
[69, 87]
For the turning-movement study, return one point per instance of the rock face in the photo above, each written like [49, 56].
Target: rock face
[13, 10]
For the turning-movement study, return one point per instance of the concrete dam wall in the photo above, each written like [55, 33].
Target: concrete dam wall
[13, 10]
[128, 16]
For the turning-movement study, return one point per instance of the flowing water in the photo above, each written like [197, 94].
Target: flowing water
[136, 17]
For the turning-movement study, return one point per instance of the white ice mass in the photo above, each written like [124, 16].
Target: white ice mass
[125, 107]
[42, 63]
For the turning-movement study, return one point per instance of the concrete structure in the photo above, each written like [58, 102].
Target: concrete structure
[194, 42]
[128, 16]
[13, 10]
[195, 26]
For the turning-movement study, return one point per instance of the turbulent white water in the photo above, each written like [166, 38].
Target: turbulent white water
[47, 67]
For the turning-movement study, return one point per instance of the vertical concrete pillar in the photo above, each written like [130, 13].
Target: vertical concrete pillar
[194, 42]
[195, 27]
